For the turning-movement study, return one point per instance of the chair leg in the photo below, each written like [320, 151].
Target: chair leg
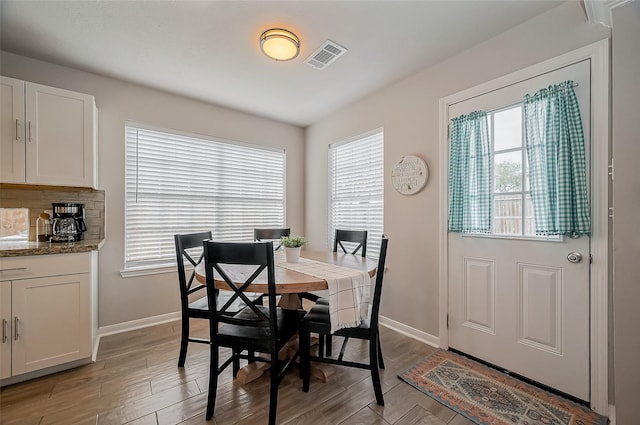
[273, 389]
[321, 340]
[380, 358]
[184, 341]
[213, 381]
[329, 344]
[304, 342]
[375, 373]
[235, 361]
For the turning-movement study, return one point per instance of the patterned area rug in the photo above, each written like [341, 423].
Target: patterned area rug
[489, 397]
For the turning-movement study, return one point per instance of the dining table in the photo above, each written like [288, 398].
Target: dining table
[290, 285]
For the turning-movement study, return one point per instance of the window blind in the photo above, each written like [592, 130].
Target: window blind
[356, 188]
[178, 183]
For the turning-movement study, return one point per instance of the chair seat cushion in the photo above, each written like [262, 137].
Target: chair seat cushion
[257, 337]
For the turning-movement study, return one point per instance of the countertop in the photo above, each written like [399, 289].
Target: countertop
[18, 249]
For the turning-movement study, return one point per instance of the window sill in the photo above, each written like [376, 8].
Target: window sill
[147, 270]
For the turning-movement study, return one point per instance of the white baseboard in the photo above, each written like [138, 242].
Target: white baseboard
[612, 414]
[137, 324]
[414, 333]
[130, 326]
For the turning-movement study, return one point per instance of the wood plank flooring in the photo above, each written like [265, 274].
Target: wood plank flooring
[136, 381]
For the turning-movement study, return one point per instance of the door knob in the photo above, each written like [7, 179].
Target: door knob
[574, 257]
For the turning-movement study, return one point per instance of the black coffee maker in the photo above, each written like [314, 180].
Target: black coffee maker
[67, 223]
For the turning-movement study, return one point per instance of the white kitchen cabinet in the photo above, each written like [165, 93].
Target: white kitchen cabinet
[48, 135]
[5, 322]
[46, 306]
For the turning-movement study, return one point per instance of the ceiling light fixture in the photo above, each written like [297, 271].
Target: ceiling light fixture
[280, 44]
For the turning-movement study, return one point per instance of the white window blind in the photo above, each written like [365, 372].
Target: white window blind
[356, 188]
[177, 183]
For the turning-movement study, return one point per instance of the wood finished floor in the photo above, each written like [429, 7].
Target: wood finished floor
[136, 381]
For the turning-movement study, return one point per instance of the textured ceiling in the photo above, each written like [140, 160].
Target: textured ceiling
[209, 50]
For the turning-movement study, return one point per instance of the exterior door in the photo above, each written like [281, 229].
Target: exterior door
[519, 301]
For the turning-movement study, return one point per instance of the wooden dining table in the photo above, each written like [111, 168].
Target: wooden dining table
[290, 284]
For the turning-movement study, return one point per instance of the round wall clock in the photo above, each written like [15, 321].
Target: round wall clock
[409, 175]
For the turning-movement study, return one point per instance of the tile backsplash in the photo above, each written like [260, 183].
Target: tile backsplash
[39, 198]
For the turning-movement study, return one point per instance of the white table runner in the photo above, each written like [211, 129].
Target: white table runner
[349, 290]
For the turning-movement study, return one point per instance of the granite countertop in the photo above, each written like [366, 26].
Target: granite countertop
[18, 249]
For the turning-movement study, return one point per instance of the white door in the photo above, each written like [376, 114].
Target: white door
[12, 135]
[517, 301]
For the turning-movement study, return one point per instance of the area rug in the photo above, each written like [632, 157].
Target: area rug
[489, 397]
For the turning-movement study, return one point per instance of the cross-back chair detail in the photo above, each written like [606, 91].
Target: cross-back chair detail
[358, 237]
[256, 328]
[189, 289]
[190, 309]
[318, 321]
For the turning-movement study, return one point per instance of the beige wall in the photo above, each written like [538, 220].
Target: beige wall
[122, 300]
[626, 203]
[408, 111]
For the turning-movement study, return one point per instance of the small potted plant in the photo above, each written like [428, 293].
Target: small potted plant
[292, 245]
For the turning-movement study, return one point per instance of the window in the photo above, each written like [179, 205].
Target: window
[512, 207]
[177, 183]
[356, 188]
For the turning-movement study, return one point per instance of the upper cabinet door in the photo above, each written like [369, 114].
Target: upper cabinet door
[60, 141]
[12, 133]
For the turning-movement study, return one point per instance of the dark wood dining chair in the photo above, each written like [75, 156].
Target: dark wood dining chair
[256, 328]
[189, 249]
[318, 321]
[271, 234]
[355, 240]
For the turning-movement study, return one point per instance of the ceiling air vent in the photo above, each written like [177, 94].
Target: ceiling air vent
[325, 55]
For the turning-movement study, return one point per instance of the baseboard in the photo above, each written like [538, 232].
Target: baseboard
[137, 324]
[103, 331]
[612, 414]
[414, 333]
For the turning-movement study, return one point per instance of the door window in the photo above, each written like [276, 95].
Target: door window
[512, 207]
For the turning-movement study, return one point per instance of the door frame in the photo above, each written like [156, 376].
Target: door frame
[598, 53]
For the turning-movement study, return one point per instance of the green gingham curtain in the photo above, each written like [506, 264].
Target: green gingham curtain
[557, 165]
[470, 174]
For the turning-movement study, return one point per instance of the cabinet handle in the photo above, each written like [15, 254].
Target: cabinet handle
[30, 131]
[18, 130]
[15, 328]
[4, 330]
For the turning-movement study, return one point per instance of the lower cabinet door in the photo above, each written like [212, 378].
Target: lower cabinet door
[51, 321]
[5, 332]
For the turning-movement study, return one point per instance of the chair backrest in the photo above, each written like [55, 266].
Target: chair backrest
[270, 234]
[239, 263]
[356, 237]
[377, 292]
[183, 244]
